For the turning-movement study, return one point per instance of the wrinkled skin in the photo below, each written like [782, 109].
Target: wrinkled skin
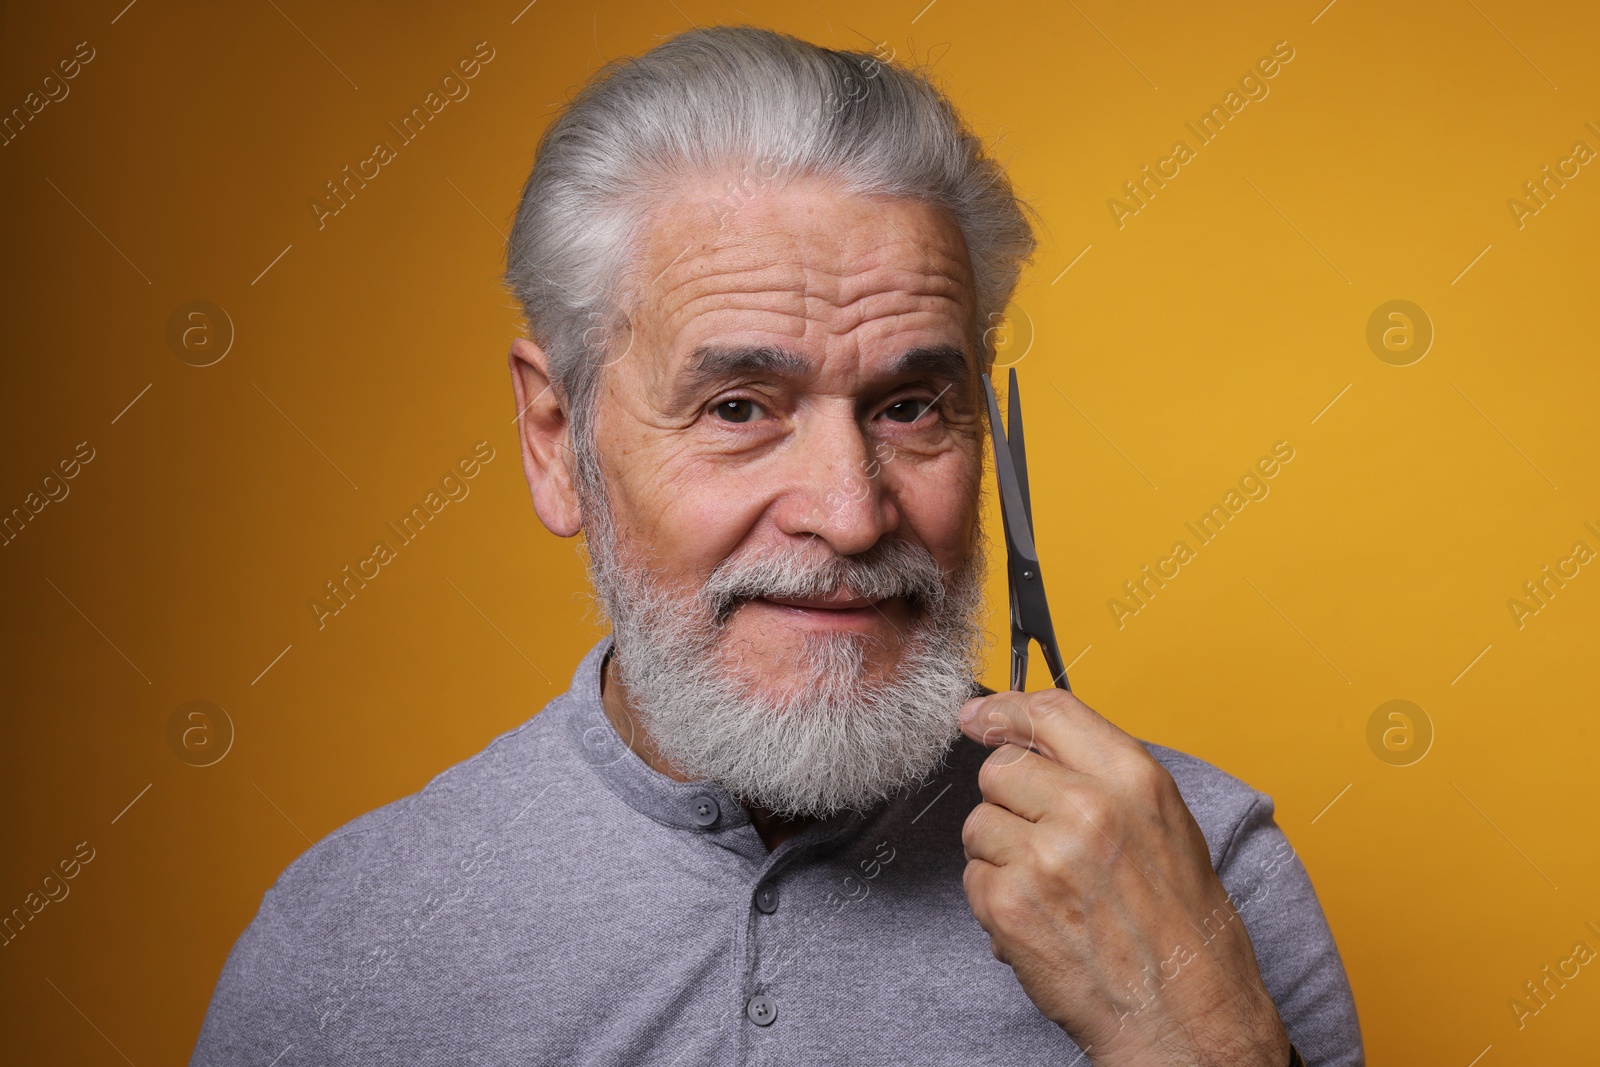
[1095, 885]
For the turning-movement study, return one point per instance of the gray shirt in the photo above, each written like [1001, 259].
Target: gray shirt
[554, 900]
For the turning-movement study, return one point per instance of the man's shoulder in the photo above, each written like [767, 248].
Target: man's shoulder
[474, 793]
[387, 890]
[1221, 803]
[468, 800]
[1205, 784]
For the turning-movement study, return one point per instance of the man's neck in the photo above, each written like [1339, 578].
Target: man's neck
[774, 830]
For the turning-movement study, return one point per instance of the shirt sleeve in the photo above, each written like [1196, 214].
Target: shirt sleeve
[1295, 951]
[243, 1024]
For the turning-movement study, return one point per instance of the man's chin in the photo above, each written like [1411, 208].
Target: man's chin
[803, 722]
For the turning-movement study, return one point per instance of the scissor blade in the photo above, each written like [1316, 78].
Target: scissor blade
[1013, 511]
[1030, 611]
[1019, 451]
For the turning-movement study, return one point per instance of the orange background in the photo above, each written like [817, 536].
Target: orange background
[1224, 316]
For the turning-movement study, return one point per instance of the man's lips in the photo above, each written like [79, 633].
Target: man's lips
[845, 610]
[834, 603]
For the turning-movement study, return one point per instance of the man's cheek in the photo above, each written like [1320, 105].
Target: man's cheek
[644, 474]
[938, 501]
[700, 516]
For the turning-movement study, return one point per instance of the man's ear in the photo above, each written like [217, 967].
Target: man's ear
[543, 429]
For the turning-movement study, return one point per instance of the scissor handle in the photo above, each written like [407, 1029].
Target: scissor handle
[1019, 662]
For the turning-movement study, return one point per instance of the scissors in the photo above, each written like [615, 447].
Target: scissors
[1030, 612]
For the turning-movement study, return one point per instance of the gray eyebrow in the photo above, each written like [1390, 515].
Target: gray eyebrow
[709, 364]
[942, 362]
[713, 363]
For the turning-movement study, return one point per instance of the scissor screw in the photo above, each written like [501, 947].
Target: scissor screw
[1027, 574]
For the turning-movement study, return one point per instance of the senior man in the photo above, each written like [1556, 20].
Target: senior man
[774, 819]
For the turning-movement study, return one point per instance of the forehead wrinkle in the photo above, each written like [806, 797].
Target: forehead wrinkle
[889, 222]
[800, 276]
[710, 281]
[858, 292]
[802, 246]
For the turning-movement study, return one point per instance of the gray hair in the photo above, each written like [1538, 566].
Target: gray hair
[697, 106]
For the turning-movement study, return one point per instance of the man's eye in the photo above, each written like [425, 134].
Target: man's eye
[738, 410]
[907, 410]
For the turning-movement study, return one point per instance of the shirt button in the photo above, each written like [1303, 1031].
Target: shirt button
[762, 1009]
[705, 810]
[767, 897]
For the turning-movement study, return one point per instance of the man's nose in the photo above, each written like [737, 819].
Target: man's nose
[835, 488]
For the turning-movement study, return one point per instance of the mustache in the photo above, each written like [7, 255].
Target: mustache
[888, 569]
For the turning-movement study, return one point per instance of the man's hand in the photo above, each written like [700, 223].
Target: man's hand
[1095, 885]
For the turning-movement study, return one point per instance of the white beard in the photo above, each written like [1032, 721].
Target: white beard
[833, 737]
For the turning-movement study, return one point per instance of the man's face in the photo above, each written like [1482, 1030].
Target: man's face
[800, 381]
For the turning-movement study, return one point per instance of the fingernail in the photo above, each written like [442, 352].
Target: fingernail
[969, 709]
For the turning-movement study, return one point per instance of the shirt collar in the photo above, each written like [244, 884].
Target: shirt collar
[679, 805]
[682, 805]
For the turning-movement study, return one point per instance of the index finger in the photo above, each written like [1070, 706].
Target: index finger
[1052, 722]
